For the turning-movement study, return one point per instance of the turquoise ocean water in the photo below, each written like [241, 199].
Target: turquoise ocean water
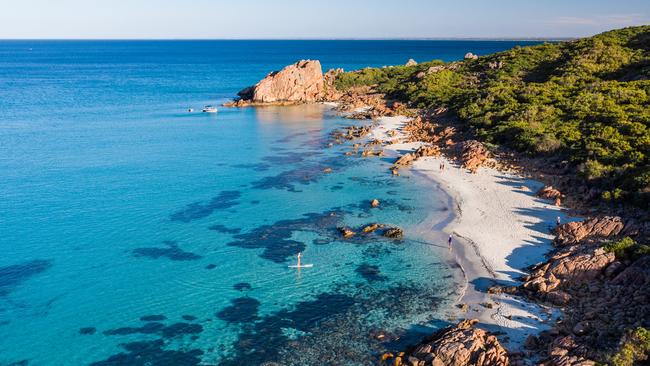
[135, 233]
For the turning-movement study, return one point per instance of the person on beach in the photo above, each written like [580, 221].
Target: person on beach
[449, 242]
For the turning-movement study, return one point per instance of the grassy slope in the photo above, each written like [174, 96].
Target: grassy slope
[586, 101]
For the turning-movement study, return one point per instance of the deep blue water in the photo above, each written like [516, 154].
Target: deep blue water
[134, 233]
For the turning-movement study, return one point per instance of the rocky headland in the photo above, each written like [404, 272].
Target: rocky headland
[302, 82]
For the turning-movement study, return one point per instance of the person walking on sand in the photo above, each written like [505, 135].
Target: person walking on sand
[449, 242]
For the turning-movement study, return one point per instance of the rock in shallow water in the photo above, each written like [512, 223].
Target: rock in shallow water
[459, 345]
[394, 233]
[347, 233]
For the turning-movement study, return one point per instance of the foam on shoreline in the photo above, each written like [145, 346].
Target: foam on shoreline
[501, 228]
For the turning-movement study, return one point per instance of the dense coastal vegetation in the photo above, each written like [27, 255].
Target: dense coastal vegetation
[585, 101]
[582, 110]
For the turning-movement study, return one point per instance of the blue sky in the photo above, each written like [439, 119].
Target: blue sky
[311, 19]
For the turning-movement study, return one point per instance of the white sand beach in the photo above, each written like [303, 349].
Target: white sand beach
[500, 229]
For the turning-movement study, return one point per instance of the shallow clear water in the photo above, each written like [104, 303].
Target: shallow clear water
[134, 233]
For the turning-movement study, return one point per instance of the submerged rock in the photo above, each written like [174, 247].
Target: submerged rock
[347, 233]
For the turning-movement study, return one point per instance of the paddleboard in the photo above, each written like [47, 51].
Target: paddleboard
[301, 266]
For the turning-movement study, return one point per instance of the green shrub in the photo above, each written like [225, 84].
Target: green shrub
[619, 247]
[627, 248]
[635, 347]
[613, 195]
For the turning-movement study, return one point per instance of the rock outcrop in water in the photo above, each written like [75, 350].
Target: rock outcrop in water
[459, 345]
[302, 82]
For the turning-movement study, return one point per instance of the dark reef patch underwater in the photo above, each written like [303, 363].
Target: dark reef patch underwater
[276, 239]
[370, 272]
[334, 328]
[155, 351]
[149, 353]
[171, 251]
[241, 310]
[198, 210]
[223, 229]
[305, 174]
[13, 275]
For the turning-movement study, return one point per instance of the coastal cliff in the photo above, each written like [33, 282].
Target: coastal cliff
[574, 115]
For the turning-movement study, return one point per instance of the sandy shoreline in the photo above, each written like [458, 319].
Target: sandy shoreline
[501, 228]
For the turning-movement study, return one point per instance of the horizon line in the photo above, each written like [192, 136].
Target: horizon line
[308, 39]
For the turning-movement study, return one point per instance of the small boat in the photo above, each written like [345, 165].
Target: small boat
[209, 109]
[190, 110]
